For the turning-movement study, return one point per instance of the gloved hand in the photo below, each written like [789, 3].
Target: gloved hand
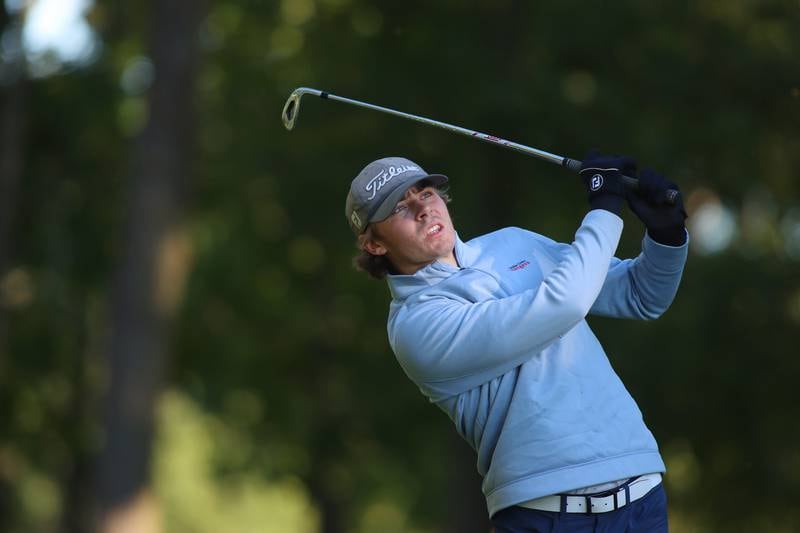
[664, 222]
[601, 175]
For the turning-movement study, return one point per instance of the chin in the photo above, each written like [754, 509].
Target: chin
[447, 242]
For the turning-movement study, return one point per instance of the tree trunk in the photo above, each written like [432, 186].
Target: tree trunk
[76, 484]
[332, 509]
[13, 100]
[147, 285]
[466, 505]
[333, 502]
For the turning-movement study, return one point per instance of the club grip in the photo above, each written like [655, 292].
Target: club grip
[670, 195]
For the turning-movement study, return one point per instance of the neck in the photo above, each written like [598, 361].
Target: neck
[449, 259]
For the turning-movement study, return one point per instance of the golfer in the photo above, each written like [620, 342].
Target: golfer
[493, 331]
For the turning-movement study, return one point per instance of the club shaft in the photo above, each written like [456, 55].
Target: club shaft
[541, 154]
[572, 164]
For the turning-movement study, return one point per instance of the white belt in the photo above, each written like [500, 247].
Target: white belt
[626, 493]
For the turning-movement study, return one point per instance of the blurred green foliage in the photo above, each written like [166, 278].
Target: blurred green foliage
[285, 405]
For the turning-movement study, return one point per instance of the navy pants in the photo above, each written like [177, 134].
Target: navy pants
[648, 514]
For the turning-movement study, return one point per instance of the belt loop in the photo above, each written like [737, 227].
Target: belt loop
[588, 504]
[627, 493]
[563, 503]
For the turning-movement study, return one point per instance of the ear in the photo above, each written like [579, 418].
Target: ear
[373, 246]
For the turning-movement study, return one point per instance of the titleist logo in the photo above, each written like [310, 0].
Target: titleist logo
[384, 176]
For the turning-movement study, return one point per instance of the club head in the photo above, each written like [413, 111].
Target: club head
[292, 106]
[291, 109]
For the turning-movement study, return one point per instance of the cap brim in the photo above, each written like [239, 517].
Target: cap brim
[386, 208]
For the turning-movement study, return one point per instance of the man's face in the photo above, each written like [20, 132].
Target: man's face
[418, 232]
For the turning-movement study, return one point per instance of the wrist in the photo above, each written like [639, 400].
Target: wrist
[675, 236]
[609, 202]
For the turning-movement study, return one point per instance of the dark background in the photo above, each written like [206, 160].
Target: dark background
[184, 345]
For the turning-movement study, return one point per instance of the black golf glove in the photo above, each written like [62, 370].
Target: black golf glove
[664, 222]
[602, 176]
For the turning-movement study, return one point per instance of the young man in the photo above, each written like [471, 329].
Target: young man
[493, 331]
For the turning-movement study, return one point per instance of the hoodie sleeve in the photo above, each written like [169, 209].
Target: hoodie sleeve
[441, 335]
[643, 287]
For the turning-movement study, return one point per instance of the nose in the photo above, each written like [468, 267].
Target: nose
[421, 208]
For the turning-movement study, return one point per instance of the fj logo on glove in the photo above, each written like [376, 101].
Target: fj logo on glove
[597, 182]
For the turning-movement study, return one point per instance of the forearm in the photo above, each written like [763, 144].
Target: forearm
[643, 287]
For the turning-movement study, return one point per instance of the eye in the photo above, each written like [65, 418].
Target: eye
[426, 194]
[398, 209]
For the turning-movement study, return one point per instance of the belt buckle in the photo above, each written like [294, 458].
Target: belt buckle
[589, 506]
[611, 498]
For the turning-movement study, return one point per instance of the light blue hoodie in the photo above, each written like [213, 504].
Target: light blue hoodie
[501, 345]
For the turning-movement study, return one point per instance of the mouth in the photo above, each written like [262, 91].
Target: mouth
[434, 229]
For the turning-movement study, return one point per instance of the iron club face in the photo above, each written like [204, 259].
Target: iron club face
[292, 106]
[290, 110]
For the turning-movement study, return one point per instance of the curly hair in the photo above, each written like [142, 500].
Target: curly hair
[378, 266]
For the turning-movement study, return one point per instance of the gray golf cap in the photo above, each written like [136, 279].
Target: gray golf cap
[379, 186]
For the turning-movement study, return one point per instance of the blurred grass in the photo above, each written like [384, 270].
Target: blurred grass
[195, 498]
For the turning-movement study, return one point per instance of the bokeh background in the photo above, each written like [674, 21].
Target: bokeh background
[184, 346]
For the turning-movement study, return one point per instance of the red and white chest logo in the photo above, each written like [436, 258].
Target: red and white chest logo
[519, 266]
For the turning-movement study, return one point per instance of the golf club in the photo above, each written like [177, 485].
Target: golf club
[292, 108]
